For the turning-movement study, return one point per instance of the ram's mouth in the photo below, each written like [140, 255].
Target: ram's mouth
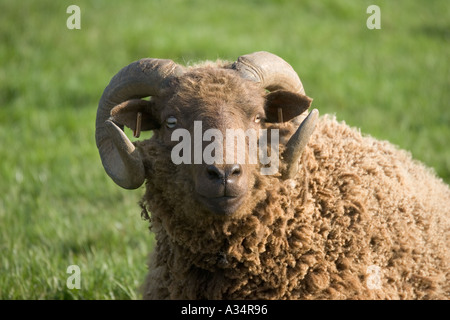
[224, 205]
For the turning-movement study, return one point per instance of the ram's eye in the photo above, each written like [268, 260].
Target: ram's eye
[257, 118]
[171, 122]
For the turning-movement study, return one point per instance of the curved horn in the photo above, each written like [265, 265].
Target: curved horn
[274, 73]
[296, 144]
[121, 160]
[270, 70]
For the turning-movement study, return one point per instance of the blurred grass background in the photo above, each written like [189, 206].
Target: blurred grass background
[57, 205]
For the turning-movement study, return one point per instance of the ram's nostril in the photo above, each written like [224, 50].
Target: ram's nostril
[235, 170]
[214, 172]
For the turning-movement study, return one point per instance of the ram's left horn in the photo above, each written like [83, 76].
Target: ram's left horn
[298, 142]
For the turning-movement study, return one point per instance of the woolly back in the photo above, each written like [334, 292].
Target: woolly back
[357, 205]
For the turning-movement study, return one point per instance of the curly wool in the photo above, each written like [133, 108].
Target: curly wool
[357, 203]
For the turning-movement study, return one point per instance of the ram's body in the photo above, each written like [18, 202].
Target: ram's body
[358, 219]
[362, 220]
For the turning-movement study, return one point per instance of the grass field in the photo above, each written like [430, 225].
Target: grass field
[57, 206]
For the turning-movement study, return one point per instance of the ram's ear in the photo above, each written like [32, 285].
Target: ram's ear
[136, 114]
[282, 105]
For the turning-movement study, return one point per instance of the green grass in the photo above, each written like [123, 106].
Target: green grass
[58, 207]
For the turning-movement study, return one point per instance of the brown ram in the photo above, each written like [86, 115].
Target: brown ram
[345, 216]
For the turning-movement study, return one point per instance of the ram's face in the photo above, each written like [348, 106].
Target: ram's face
[203, 119]
[213, 121]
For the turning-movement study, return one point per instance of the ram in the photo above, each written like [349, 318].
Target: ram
[343, 216]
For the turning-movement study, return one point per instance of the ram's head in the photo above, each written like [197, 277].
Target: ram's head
[199, 115]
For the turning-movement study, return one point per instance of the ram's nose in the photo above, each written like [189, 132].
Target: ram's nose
[221, 187]
[227, 175]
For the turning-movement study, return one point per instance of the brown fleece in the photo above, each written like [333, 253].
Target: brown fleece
[356, 204]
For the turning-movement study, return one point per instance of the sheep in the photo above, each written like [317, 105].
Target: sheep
[345, 216]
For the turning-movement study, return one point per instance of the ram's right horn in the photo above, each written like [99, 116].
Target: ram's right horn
[143, 78]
